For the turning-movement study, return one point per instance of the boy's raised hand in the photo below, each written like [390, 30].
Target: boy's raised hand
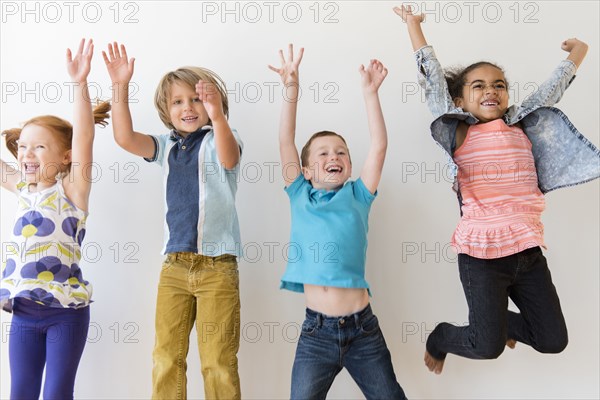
[289, 71]
[211, 99]
[119, 67]
[372, 76]
[405, 12]
[79, 67]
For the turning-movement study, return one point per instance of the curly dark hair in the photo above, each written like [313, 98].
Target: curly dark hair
[456, 76]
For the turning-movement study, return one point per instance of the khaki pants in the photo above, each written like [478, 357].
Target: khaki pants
[194, 287]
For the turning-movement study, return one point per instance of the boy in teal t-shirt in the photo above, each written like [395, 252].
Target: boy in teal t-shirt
[328, 247]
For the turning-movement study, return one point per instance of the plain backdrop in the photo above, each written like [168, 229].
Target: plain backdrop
[410, 266]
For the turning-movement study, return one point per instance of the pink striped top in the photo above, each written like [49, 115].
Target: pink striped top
[502, 203]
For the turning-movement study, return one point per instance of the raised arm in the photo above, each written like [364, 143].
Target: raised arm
[120, 69]
[413, 23]
[576, 49]
[10, 176]
[552, 89]
[228, 150]
[78, 185]
[372, 77]
[289, 73]
[430, 72]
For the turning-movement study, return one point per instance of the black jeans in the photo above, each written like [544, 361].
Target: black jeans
[525, 278]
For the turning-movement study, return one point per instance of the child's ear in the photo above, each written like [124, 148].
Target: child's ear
[307, 174]
[458, 102]
[67, 157]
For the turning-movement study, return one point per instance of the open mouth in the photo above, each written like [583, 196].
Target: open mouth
[490, 103]
[189, 119]
[30, 168]
[334, 169]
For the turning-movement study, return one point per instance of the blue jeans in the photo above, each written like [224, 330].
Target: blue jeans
[45, 336]
[328, 344]
[525, 278]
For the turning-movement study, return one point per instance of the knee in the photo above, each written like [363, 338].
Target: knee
[489, 349]
[552, 345]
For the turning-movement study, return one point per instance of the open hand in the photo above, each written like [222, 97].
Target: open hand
[289, 68]
[79, 66]
[119, 67]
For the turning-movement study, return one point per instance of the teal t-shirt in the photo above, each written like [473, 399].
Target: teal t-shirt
[328, 242]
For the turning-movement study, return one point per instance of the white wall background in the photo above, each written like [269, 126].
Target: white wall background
[412, 272]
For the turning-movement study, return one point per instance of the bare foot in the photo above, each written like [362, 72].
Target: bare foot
[511, 343]
[433, 364]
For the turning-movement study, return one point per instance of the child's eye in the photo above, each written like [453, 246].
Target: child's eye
[177, 102]
[323, 154]
[197, 100]
[341, 153]
[500, 86]
[39, 146]
[477, 86]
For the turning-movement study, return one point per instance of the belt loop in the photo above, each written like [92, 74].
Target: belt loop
[357, 320]
[319, 320]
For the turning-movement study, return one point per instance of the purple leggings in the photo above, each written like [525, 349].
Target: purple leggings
[44, 336]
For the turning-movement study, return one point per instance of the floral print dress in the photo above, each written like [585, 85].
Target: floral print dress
[41, 261]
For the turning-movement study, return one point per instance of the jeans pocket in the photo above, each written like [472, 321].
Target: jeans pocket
[309, 327]
[369, 325]
[168, 262]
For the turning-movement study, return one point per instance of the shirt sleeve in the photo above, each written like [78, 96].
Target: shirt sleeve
[160, 143]
[551, 91]
[296, 186]
[362, 194]
[432, 80]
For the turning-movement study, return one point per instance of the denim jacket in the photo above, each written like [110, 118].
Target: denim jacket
[563, 156]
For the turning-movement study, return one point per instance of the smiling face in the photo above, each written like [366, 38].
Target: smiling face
[186, 112]
[329, 165]
[484, 93]
[41, 155]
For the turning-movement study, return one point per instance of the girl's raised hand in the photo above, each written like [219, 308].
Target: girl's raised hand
[79, 67]
[289, 71]
[405, 12]
[372, 76]
[119, 67]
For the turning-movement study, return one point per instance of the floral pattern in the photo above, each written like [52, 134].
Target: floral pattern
[46, 269]
[33, 223]
[43, 255]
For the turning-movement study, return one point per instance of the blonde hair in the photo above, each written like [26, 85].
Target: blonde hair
[189, 76]
[62, 128]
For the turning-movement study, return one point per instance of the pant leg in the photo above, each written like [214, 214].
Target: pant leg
[541, 323]
[216, 287]
[317, 361]
[369, 361]
[175, 314]
[66, 335]
[26, 352]
[486, 285]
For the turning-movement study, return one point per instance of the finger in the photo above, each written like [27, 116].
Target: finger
[81, 44]
[111, 52]
[281, 57]
[116, 49]
[272, 68]
[90, 51]
[300, 55]
[291, 52]
[105, 57]
[123, 51]
[131, 64]
[69, 56]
